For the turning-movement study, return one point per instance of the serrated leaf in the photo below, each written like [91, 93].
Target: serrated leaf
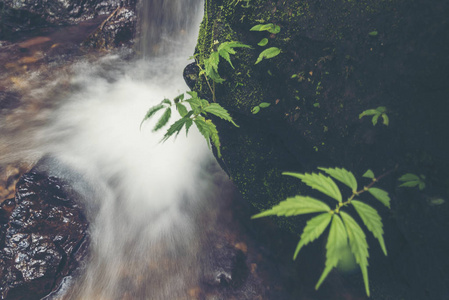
[264, 104]
[188, 123]
[263, 42]
[368, 112]
[314, 228]
[372, 221]
[174, 128]
[203, 129]
[255, 109]
[336, 242]
[163, 120]
[368, 174]
[385, 119]
[151, 112]
[219, 111]
[268, 53]
[298, 205]
[227, 57]
[181, 109]
[380, 195]
[344, 176]
[319, 182]
[359, 246]
[166, 101]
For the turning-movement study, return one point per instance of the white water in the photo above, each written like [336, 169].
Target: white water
[141, 195]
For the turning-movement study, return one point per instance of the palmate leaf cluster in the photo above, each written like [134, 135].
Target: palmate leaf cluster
[376, 113]
[412, 180]
[344, 230]
[199, 112]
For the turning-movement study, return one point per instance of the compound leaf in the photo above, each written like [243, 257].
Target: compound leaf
[314, 228]
[163, 120]
[380, 195]
[372, 221]
[268, 53]
[293, 206]
[319, 182]
[344, 176]
[151, 112]
[337, 240]
[359, 246]
[219, 111]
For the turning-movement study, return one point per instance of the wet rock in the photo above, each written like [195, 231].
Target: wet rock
[116, 30]
[43, 237]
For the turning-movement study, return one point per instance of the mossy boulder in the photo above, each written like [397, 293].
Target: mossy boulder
[338, 59]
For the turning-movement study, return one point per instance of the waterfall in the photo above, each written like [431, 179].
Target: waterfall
[141, 195]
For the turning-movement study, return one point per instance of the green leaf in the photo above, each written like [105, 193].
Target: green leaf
[188, 123]
[298, 205]
[203, 128]
[373, 33]
[174, 128]
[368, 112]
[178, 98]
[359, 246]
[167, 101]
[368, 174]
[342, 175]
[255, 109]
[263, 42]
[163, 120]
[336, 242]
[264, 104]
[227, 57]
[372, 221]
[151, 112]
[381, 109]
[319, 182]
[314, 228]
[385, 119]
[409, 177]
[268, 53]
[380, 195]
[422, 186]
[275, 30]
[181, 109]
[256, 27]
[229, 46]
[409, 184]
[217, 110]
[375, 119]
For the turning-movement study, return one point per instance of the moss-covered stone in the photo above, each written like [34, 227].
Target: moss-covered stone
[338, 59]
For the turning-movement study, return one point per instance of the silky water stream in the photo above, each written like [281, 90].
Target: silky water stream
[143, 198]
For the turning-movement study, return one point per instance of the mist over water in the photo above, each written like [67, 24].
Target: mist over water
[141, 195]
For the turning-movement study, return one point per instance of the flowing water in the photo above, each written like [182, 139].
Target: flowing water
[142, 197]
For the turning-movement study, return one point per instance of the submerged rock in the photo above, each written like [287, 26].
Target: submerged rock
[43, 237]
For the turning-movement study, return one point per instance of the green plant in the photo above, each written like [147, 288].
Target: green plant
[376, 113]
[344, 230]
[198, 115]
[269, 52]
[412, 180]
[257, 108]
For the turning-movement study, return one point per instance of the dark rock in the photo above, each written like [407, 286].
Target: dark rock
[43, 237]
[338, 59]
